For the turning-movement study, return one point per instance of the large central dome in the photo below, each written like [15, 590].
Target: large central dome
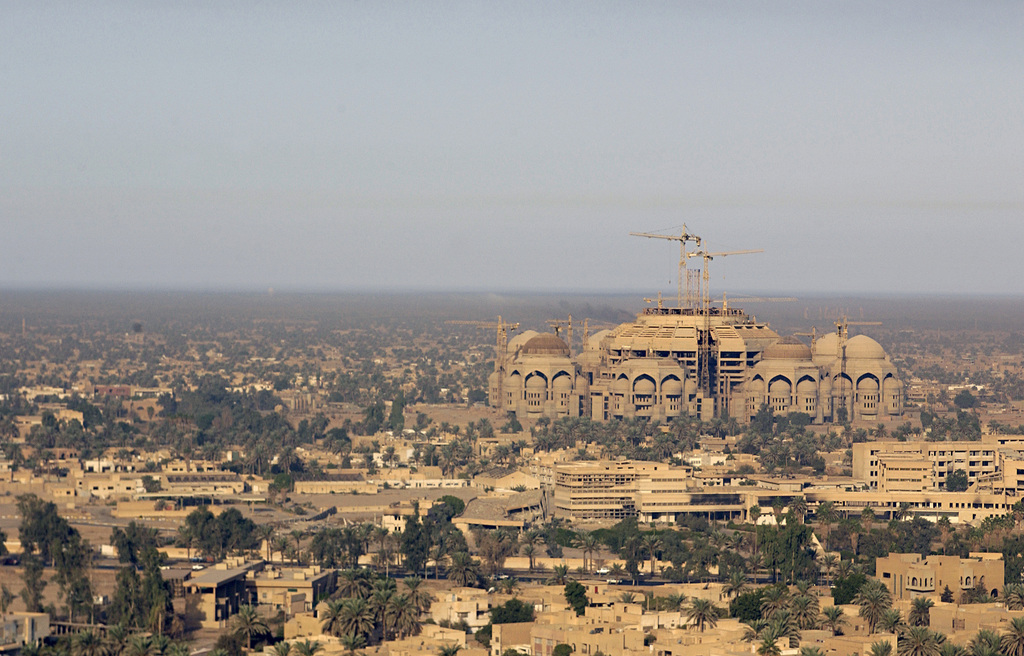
[545, 344]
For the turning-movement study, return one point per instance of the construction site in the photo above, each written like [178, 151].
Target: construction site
[699, 357]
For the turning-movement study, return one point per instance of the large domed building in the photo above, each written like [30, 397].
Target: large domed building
[679, 361]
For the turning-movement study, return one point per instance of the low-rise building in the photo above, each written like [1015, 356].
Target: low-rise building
[910, 575]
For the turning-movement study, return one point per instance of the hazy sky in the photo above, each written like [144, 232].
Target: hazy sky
[867, 147]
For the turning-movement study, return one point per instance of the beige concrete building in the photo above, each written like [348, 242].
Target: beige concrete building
[682, 361]
[909, 575]
[920, 466]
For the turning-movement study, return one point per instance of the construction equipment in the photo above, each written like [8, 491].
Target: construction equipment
[843, 333]
[684, 274]
[502, 330]
[704, 355]
[557, 325]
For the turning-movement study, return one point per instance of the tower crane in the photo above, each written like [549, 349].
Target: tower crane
[502, 329]
[557, 325]
[843, 333]
[684, 274]
[704, 355]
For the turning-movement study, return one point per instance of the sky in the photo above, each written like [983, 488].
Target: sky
[866, 147]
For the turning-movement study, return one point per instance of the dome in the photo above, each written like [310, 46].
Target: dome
[562, 383]
[520, 339]
[595, 340]
[546, 344]
[643, 386]
[536, 382]
[827, 346]
[787, 348]
[863, 347]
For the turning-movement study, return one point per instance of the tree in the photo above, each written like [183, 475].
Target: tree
[834, 619]
[702, 613]
[562, 649]
[248, 624]
[415, 543]
[559, 575]
[32, 577]
[919, 641]
[576, 596]
[419, 597]
[449, 650]
[874, 599]
[463, 571]
[89, 643]
[920, 614]
[964, 399]
[1012, 642]
[880, 648]
[308, 648]
[957, 481]
[352, 643]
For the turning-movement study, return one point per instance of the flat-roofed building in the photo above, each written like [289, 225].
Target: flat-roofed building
[909, 575]
[978, 459]
[600, 490]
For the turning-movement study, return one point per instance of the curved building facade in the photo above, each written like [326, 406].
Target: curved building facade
[680, 361]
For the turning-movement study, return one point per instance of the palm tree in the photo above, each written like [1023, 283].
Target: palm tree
[117, 639]
[139, 645]
[464, 571]
[880, 648]
[920, 641]
[404, 615]
[874, 599]
[333, 618]
[984, 643]
[734, 586]
[702, 613]
[352, 643]
[811, 651]
[308, 648]
[530, 552]
[1012, 642]
[1013, 596]
[774, 599]
[891, 621]
[589, 544]
[805, 611]
[920, 614]
[783, 625]
[652, 543]
[627, 598]
[356, 617]
[449, 650]
[834, 619]
[89, 643]
[380, 604]
[559, 575]
[266, 533]
[353, 583]
[675, 601]
[283, 649]
[768, 647]
[420, 598]
[248, 624]
[952, 649]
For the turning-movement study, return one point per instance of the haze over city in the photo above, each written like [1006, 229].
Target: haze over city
[867, 148]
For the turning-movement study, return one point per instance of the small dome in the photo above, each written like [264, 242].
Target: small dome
[536, 382]
[863, 347]
[672, 387]
[787, 348]
[562, 383]
[545, 344]
[827, 346]
[643, 386]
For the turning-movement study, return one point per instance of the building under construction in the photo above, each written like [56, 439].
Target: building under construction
[696, 358]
